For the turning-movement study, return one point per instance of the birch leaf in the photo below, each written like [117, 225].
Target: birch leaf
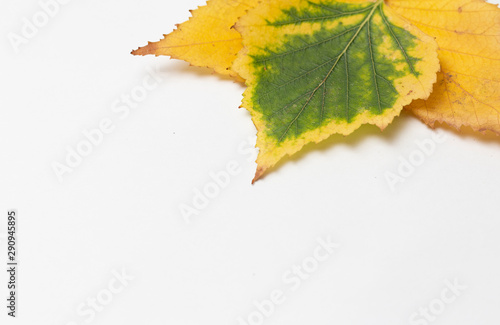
[319, 67]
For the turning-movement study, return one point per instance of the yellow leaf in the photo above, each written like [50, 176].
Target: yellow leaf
[319, 67]
[467, 92]
[207, 39]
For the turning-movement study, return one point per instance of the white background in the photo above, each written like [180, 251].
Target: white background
[118, 211]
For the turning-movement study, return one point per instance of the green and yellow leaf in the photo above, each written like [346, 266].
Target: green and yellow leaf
[207, 39]
[319, 67]
[468, 34]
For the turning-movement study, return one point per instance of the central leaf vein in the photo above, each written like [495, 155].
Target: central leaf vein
[367, 19]
[372, 60]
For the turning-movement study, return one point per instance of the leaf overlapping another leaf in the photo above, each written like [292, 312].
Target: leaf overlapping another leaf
[467, 92]
[316, 68]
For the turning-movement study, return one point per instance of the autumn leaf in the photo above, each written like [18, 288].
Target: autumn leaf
[320, 67]
[206, 39]
[467, 92]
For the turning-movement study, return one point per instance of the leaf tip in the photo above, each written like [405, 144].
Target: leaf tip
[258, 174]
[145, 50]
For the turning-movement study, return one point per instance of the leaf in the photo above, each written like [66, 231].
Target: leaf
[319, 67]
[467, 92]
[207, 39]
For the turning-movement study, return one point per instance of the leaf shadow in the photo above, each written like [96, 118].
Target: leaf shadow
[182, 67]
[486, 137]
[352, 140]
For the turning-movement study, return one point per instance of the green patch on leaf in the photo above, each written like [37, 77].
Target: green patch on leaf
[338, 65]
